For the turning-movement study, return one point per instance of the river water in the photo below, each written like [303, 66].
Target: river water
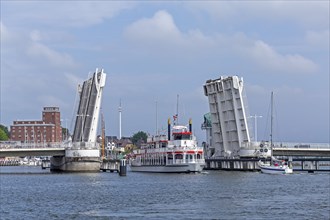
[32, 193]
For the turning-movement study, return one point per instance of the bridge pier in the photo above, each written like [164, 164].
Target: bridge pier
[45, 164]
[77, 160]
[316, 164]
[114, 165]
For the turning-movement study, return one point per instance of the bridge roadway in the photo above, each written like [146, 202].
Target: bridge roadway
[303, 152]
[38, 152]
[60, 151]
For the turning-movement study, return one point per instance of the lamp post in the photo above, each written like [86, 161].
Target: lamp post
[255, 126]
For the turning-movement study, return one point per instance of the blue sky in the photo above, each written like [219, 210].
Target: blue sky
[152, 51]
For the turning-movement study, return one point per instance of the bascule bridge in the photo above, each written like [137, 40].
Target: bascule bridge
[83, 153]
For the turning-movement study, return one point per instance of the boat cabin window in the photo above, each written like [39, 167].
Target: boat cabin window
[182, 136]
[178, 156]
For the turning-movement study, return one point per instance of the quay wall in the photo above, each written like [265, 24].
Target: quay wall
[299, 164]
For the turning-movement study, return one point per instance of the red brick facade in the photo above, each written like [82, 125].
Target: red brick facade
[48, 130]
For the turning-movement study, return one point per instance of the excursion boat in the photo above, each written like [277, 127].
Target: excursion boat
[176, 152]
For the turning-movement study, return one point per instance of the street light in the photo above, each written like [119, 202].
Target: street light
[255, 125]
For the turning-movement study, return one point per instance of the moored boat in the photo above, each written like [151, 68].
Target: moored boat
[275, 166]
[175, 153]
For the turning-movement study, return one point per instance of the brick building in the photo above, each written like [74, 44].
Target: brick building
[48, 130]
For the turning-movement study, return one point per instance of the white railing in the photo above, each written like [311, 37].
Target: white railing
[14, 145]
[69, 145]
[83, 145]
[302, 145]
[181, 161]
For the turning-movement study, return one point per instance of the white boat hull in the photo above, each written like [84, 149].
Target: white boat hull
[174, 168]
[269, 169]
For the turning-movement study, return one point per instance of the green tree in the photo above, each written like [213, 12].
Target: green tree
[138, 137]
[65, 133]
[4, 134]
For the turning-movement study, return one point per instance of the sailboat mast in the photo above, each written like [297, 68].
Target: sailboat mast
[103, 135]
[271, 122]
[177, 109]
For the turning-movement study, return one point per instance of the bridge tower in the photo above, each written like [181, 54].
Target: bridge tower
[228, 114]
[83, 154]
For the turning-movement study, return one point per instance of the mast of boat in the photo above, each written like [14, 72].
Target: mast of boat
[177, 109]
[271, 124]
[103, 135]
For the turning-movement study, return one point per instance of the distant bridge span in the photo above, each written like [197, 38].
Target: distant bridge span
[37, 152]
[304, 152]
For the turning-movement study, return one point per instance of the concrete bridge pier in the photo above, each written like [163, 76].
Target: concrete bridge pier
[77, 160]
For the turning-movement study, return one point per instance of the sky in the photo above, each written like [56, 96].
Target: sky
[153, 51]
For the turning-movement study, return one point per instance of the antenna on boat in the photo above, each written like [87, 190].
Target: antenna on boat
[156, 118]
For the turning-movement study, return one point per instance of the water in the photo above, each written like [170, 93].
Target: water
[32, 193]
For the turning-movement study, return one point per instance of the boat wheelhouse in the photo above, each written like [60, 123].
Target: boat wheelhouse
[175, 153]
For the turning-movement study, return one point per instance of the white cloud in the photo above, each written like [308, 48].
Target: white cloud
[54, 58]
[160, 33]
[266, 57]
[64, 14]
[160, 27]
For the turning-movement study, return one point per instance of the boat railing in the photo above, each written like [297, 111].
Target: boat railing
[197, 161]
[179, 161]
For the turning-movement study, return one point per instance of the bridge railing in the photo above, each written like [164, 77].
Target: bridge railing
[9, 145]
[16, 144]
[302, 145]
[82, 145]
[66, 145]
